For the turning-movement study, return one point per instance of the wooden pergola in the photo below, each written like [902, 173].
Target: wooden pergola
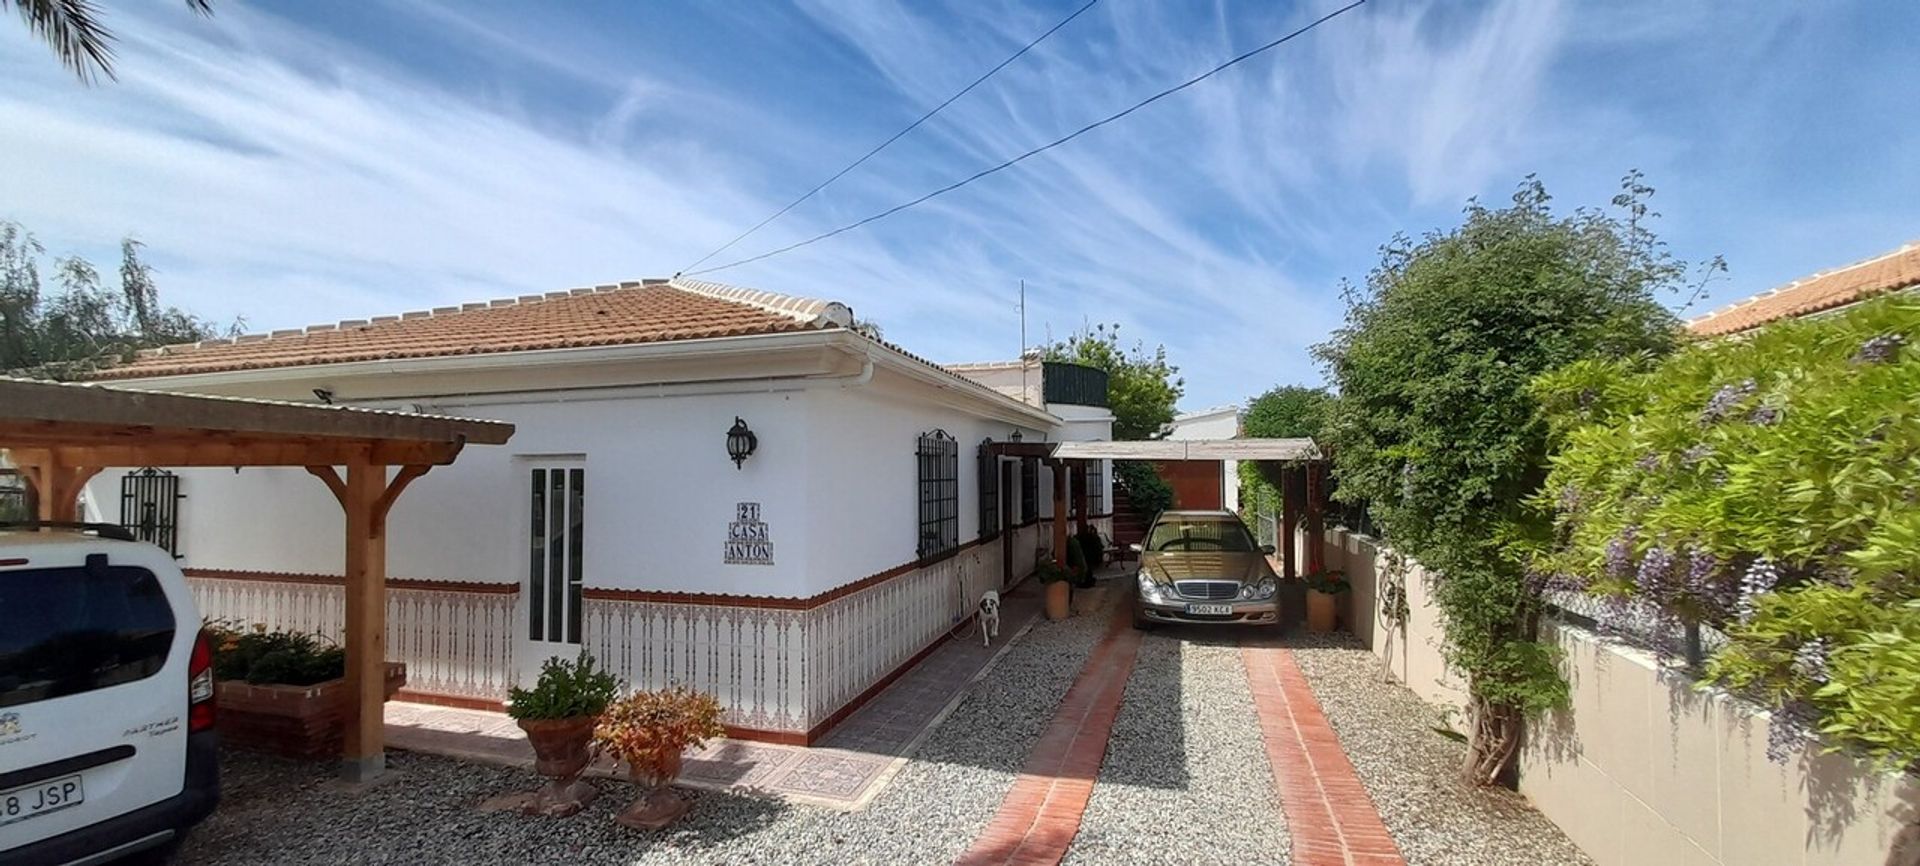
[1294, 466]
[61, 435]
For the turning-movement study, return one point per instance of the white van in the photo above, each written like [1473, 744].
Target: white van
[107, 742]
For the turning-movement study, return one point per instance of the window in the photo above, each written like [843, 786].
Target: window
[989, 490]
[557, 534]
[939, 457]
[64, 631]
[1227, 536]
[1029, 490]
[149, 507]
[1096, 487]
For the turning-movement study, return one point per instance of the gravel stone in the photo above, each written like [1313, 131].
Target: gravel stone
[1412, 771]
[277, 811]
[1186, 779]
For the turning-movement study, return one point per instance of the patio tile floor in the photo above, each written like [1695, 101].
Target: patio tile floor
[844, 771]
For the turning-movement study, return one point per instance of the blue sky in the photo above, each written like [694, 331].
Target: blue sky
[295, 163]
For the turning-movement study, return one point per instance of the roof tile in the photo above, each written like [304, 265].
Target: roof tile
[629, 313]
[1892, 271]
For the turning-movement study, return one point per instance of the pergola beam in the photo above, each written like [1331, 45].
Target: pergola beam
[61, 435]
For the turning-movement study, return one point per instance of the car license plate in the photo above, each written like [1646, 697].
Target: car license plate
[39, 798]
[1210, 609]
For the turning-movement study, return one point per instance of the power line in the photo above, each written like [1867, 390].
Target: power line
[896, 137]
[1045, 147]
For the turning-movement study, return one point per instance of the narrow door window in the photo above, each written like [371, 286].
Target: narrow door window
[556, 535]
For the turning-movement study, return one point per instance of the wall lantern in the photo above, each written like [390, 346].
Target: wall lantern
[1014, 436]
[741, 442]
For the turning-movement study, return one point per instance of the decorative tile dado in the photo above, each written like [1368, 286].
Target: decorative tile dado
[454, 643]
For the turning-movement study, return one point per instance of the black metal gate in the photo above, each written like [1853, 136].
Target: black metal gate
[150, 507]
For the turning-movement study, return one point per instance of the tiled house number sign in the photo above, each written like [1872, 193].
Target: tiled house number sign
[748, 542]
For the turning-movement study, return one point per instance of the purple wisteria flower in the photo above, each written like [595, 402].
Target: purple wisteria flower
[1811, 660]
[1692, 456]
[1619, 564]
[1765, 416]
[1702, 582]
[1654, 581]
[1648, 462]
[1569, 499]
[1725, 399]
[1761, 577]
[1880, 350]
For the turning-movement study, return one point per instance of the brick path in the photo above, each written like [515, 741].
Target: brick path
[1041, 814]
[1329, 815]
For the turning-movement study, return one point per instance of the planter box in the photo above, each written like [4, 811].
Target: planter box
[307, 722]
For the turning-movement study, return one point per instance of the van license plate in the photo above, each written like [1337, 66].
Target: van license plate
[39, 798]
[1210, 609]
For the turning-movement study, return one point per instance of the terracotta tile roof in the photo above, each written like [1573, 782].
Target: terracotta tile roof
[1893, 271]
[651, 311]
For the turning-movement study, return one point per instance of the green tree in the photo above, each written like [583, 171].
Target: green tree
[1436, 428]
[84, 325]
[1285, 412]
[72, 29]
[1142, 387]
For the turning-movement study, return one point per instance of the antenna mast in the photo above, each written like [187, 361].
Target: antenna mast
[1023, 337]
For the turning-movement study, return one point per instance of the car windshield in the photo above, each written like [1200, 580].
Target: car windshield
[1220, 535]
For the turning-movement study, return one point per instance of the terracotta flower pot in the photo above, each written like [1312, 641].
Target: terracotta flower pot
[1321, 610]
[560, 753]
[659, 806]
[1059, 600]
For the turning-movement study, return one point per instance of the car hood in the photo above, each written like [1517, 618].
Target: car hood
[1205, 565]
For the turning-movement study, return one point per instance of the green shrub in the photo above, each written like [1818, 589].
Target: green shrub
[1150, 493]
[565, 690]
[265, 657]
[1764, 485]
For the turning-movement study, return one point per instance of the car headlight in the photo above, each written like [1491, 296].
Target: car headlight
[1260, 590]
[1150, 589]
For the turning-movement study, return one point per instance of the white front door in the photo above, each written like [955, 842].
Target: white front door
[554, 561]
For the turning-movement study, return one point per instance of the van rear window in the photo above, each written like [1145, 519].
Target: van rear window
[64, 631]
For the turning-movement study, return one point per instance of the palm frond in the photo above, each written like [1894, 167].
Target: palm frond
[73, 30]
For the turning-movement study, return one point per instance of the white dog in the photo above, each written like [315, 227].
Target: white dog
[989, 617]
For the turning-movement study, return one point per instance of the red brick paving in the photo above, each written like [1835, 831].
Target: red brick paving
[1041, 813]
[1329, 815]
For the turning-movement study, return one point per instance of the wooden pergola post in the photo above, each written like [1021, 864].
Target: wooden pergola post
[1289, 523]
[55, 486]
[366, 497]
[1316, 520]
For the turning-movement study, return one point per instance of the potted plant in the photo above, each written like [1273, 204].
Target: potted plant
[1323, 590]
[1059, 590]
[559, 714]
[649, 732]
[284, 692]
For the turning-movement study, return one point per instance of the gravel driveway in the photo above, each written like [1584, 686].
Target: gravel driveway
[1412, 772]
[1185, 781]
[282, 812]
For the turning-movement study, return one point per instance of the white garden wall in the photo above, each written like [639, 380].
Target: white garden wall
[1644, 768]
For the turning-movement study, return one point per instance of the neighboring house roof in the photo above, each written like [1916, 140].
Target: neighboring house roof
[649, 311]
[1890, 272]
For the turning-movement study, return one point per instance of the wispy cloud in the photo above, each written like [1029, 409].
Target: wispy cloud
[280, 173]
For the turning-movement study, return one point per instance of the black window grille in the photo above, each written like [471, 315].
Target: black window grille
[1029, 490]
[150, 507]
[939, 457]
[1096, 487]
[989, 490]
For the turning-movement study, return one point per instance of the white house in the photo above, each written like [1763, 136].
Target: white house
[789, 582]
